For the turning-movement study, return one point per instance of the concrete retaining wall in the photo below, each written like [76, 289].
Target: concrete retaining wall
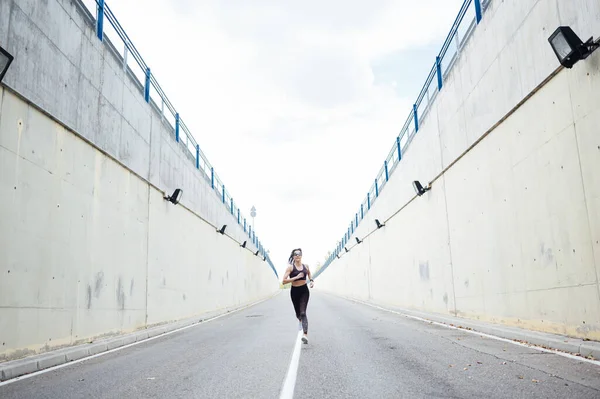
[510, 232]
[88, 245]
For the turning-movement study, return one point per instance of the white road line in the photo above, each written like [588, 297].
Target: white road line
[287, 392]
[24, 377]
[532, 346]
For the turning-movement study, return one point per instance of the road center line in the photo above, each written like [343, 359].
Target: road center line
[287, 392]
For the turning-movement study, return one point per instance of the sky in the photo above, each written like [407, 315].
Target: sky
[295, 104]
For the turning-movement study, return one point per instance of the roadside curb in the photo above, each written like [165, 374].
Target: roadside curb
[587, 350]
[16, 368]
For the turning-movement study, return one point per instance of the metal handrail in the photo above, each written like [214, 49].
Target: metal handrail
[103, 10]
[412, 122]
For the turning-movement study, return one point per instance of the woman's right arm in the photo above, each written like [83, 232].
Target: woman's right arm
[287, 280]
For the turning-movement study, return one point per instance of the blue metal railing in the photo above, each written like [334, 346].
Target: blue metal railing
[469, 16]
[154, 94]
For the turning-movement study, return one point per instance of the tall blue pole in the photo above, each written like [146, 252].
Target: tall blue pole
[177, 127]
[387, 176]
[212, 177]
[147, 87]
[399, 151]
[376, 189]
[438, 65]
[416, 117]
[100, 20]
[197, 156]
[369, 200]
[478, 10]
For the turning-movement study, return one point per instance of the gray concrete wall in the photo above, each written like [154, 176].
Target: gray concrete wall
[510, 232]
[88, 246]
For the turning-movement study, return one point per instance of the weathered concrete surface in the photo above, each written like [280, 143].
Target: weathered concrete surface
[510, 233]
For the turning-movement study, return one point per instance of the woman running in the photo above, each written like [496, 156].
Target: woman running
[296, 274]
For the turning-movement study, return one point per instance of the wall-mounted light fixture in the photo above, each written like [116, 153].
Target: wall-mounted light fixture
[256, 254]
[378, 223]
[337, 256]
[569, 48]
[175, 197]
[419, 188]
[243, 245]
[222, 230]
[345, 249]
[5, 60]
[357, 240]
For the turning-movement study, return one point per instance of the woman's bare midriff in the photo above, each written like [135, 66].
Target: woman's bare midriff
[301, 282]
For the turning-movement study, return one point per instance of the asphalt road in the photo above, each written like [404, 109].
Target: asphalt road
[354, 351]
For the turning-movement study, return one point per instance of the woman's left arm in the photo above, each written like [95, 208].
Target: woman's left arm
[312, 282]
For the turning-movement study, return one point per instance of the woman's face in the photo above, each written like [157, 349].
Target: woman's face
[297, 255]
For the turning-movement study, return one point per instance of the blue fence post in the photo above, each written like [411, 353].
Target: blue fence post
[223, 187]
[231, 205]
[387, 176]
[100, 20]
[238, 215]
[197, 156]
[478, 10]
[416, 117]
[369, 200]
[356, 218]
[177, 127]
[244, 225]
[376, 189]
[438, 66]
[362, 212]
[212, 177]
[147, 87]
[399, 151]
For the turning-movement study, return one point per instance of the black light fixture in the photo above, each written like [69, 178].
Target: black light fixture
[222, 231]
[337, 256]
[357, 240]
[256, 254]
[243, 245]
[569, 48]
[419, 188]
[5, 59]
[378, 223]
[345, 249]
[264, 258]
[175, 197]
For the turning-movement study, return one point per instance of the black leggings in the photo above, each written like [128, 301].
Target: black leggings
[300, 296]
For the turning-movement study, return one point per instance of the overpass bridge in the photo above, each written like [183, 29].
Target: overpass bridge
[128, 270]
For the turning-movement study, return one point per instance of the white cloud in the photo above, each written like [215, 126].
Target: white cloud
[282, 100]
